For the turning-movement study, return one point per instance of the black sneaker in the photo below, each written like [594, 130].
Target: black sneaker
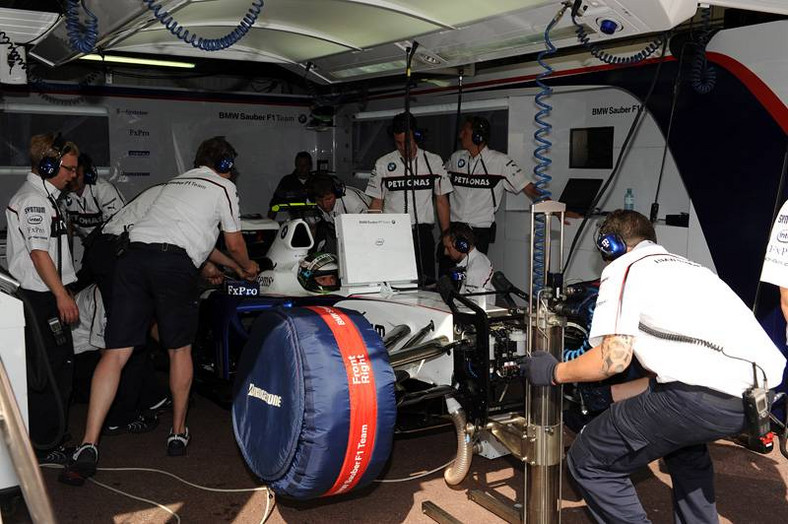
[160, 407]
[141, 424]
[81, 466]
[59, 455]
[177, 442]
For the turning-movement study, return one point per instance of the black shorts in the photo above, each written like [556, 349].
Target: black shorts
[151, 282]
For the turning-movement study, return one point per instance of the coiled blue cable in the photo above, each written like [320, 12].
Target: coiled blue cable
[589, 304]
[540, 154]
[206, 44]
[81, 37]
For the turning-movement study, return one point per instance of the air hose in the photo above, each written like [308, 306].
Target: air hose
[703, 77]
[542, 150]
[458, 470]
[82, 38]
[206, 44]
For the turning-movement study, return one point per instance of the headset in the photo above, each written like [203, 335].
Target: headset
[49, 165]
[89, 169]
[480, 130]
[225, 162]
[462, 241]
[461, 244]
[611, 245]
[337, 186]
[399, 124]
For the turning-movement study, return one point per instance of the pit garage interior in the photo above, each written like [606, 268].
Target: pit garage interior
[677, 109]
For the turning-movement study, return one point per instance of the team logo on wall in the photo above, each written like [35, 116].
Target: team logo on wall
[391, 167]
[461, 163]
[302, 118]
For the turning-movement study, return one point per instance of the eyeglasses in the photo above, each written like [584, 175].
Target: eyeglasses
[70, 169]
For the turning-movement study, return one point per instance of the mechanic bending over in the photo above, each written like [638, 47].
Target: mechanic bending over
[333, 199]
[158, 276]
[40, 259]
[394, 188]
[473, 271]
[705, 348]
[775, 269]
[91, 200]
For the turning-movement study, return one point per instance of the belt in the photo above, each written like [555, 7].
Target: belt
[724, 398]
[155, 246]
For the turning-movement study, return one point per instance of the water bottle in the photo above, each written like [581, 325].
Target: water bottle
[629, 200]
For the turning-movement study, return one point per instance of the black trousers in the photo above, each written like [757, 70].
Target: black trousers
[673, 421]
[99, 262]
[424, 243]
[50, 370]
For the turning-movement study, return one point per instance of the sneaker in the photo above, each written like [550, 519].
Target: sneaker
[59, 455]
[81, 466]
[161, 406]
[141, 424]
[177, 442]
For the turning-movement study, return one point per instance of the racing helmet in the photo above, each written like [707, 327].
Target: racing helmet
[319, 273]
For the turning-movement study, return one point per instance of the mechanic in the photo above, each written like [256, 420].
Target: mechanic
[400, 186]
[333, 199]
[292, 187]
[319, 273]
[473, 269]
[39, 258]
[479, 176]
[704, 346]
[92, 200]
[158, 275]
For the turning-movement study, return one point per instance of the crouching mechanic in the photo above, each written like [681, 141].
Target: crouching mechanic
[473, 269]
[688, 328]
[158, 276]
[333, 199]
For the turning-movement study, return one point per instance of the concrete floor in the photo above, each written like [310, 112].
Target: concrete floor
[751, 488]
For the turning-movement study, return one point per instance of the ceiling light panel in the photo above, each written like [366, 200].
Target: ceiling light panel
[22, 26]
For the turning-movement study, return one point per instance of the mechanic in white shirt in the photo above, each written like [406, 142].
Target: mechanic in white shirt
[702, 343]
[158, 276]
[92, 200]
[333, 199]
[400, 186]
[775, 263]
[39, 258]
[479, 176]
[474, 265]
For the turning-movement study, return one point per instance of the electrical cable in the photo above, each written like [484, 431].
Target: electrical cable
[415, 477]
[703, 76]
[457, 123]
[81, 38]
[617, 166]
[206, 44]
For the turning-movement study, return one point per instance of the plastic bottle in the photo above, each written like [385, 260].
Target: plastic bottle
[629, 199]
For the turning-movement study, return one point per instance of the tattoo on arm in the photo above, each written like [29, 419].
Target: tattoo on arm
[616, 353]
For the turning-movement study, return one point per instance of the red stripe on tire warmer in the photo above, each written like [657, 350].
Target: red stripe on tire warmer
[363, 398]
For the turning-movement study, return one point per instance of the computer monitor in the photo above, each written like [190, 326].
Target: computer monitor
[579, 194]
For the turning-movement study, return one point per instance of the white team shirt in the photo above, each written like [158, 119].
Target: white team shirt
[32, 218]
[95, 206]
[129, 214]
[187, 212]
[88, 335]
[671, 294]
[775, 264]
[479, 183]
[352, 203]
[478, 272]
[390, 183]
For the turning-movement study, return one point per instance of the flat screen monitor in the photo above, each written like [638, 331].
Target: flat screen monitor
[579, 193]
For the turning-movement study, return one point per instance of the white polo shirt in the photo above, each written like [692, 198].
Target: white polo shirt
[188, 211]
[479, 183]
[478, 272]
[94, 206]
[35, 223]
[352, 203]
[88, 335]
[133, 211]
[391, 183]
[671, 294]
[775, 264]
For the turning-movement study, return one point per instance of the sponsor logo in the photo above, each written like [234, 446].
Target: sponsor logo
[139, 153]
[283, 232]
[475, 181]
[380, 330]
[136, 173]
[379, 242]
[138, 132]
[130, 112]
[782, 236]
[404, 183]
[358, 459]
[257, 117]
[391, 167]
[35, 230]
[241, 289]
[782, 219]
[266, 281]
[87, 220]
[461, 163]
[34, 209]
[35, 219]
[268, 398]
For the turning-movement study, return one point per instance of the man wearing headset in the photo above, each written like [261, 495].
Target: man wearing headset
[92, 200]
[479, 176]
[333, 199]
[158, 276]
[39, 258]
[698, 339]
[473, 269]
[398, 185]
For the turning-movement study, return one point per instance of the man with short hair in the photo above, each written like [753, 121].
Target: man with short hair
[706, 350]
[475, 268]
[333, 199]
[158, 277]
[92, 200]
[39, 258]
[410, 184]
[292, 187]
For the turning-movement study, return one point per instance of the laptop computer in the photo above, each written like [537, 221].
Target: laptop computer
[579, 194]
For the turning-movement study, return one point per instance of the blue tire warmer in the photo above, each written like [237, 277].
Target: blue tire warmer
[313, 405]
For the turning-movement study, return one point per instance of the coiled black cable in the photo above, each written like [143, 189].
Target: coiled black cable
[606, 57]
[703, 77]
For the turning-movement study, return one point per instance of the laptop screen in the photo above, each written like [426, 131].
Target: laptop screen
[579, 193]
